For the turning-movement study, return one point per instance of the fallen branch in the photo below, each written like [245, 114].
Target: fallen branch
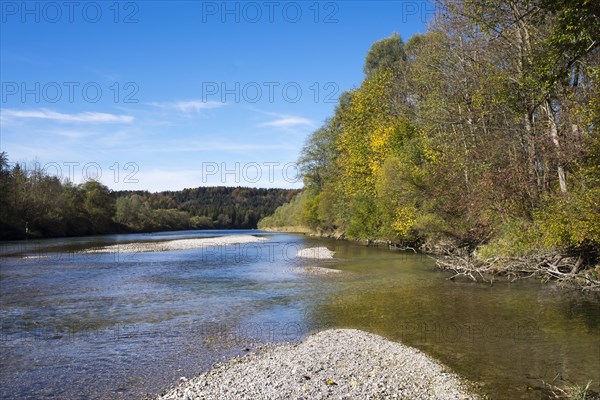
[548, 266]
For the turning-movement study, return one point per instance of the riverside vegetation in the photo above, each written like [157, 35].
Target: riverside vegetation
[478, 140]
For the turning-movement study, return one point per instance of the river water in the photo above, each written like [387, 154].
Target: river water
[77, 325]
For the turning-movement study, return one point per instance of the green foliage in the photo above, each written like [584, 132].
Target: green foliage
[310, 210]
[289, 214]
[98, 205]
[135, 212]
[332, 207]
[571, 220]
[397, 198]
[575, 32]
[226, 207]
[464, 134]
[515, 238]
[38, 205]
[33, 204]
[365, 221]
[318, 158]
[368, 127]
[385, 54]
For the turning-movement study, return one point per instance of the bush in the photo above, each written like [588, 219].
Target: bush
[515, 238]
[571, 220]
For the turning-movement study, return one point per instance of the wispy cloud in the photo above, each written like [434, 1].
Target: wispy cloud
[189, 105]
[288, 121]
[91, 117]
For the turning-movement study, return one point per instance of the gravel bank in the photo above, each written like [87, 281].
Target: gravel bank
[321, 253]
[178, 244]
[336, 364]
[314, 270]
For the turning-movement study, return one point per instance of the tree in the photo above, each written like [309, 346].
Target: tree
[98, 206]
[481, 133]
[385, 54]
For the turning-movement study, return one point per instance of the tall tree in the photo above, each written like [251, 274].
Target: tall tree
[385, 54]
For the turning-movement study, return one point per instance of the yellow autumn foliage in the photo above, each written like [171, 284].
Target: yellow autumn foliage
[404, 220]
[368, 126]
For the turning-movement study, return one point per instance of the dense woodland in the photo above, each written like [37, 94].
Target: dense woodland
[34, 204]
[479, 139]
[209, 207]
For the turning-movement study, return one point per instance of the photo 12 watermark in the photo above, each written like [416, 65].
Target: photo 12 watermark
[206, 251]
[35, 253]
[69, 91]
[75, 171]
[420, 10]
[271, 12]
[281, 253]
[269, 91]
[71, 12]
[266, 331]
[250, 173]
[15, 333]
[449, 332]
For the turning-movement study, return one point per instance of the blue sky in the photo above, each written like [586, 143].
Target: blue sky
[166, 95]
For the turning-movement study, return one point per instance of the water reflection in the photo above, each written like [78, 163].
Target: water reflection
[77, 325]
[507, 337]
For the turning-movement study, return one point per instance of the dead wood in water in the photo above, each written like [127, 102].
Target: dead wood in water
[547, 266]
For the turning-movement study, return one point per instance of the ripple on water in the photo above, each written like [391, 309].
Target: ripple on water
[102, 326]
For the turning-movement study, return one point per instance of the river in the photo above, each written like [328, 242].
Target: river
[78, 325]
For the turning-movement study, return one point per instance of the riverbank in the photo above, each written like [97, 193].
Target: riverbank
[548, 266]
[289, 229]
[335, 363]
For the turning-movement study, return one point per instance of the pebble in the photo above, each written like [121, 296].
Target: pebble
[331, 364]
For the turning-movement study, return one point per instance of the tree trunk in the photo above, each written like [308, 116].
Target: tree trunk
[554, 137]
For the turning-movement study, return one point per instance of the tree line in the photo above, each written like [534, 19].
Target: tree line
[35, 204]
[481, 134]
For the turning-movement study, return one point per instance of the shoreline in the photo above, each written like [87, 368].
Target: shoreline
[334, 363]
[546, 266]
[288, 229]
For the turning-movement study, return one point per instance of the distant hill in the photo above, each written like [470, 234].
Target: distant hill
[218, 207]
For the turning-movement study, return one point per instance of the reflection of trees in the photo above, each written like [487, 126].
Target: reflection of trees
[488, 333]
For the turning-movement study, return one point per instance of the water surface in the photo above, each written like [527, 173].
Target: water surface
[122, 325]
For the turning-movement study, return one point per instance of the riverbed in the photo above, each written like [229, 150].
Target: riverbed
[79, 323]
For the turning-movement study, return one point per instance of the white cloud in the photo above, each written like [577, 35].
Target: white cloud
[93, 117]
[189, 106]
[288, 121]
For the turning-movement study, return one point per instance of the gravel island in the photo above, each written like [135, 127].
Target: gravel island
[177, 244]
[336, 364]
[322, 253]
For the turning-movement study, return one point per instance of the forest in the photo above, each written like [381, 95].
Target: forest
[34, 204]
[478, 140]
